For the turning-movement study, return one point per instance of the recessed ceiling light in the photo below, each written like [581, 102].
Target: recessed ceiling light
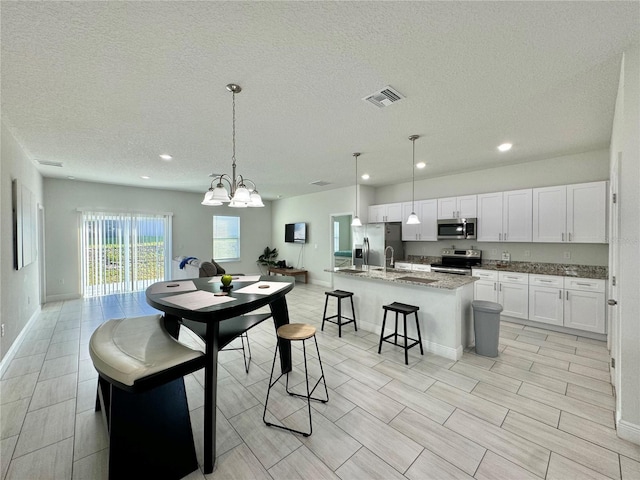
[365, 176]
[166, 157]
[145, 177]
[421, 165]
[505, 147]
[70, 177]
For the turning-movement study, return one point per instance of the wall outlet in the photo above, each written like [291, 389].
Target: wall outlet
[527, 253]
[506, 257]
[566, 255]
[61, 281]
[2, 330]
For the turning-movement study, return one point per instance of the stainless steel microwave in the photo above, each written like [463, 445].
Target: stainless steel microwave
[457, 229]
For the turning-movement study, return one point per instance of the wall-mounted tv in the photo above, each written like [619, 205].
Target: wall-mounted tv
[295, 232]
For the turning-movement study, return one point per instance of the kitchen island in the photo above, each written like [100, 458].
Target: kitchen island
[445, 314]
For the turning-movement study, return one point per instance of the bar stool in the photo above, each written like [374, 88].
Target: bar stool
[247, 359]
[297, 332]
[142, 397]
[339, 295]
[405, 310]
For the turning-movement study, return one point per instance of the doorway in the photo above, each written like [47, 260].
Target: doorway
[341, 245]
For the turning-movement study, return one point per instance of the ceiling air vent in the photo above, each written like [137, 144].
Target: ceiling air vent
[384, 97]
[320, 183]
[48, 163]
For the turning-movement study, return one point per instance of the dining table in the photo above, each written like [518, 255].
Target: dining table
[218, 315]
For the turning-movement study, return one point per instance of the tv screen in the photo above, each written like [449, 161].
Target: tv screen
[295, 232]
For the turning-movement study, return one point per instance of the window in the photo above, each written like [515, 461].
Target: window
[226, 238]
[123, 252]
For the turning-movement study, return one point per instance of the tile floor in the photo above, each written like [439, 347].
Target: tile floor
[542, 409]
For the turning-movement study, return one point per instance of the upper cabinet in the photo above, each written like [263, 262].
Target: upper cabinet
[390, 212]
[426, 230]
[570, 213]
[457, 207]
[505, 216]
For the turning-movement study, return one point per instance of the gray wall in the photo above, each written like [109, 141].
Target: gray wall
[192, 226]
[20, 289]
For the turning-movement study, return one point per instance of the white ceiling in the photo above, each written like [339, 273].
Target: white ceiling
[105, 87]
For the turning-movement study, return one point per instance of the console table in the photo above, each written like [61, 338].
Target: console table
[291, 272]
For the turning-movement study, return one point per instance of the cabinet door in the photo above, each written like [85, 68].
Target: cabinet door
[490, 217]
[587, 212]
[393, 212]
[467, 206]
[428, 214]
[485, 290]
[409, 232]
[517, 216]
[447, 207]
[514, 299]
[376, 213]
[546, 305]
[549, 214]
[584, 310]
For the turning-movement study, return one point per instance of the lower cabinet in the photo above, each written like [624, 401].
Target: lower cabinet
[570, 302]
[577, 303]
[511, 290]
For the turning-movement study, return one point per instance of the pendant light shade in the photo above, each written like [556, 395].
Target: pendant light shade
[238, 195]
[413, 218]
[356, 220]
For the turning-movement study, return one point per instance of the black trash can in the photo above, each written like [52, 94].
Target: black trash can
[486, 326]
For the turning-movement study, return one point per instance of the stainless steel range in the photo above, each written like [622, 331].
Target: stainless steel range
[458, 262]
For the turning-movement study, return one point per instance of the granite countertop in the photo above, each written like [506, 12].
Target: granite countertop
[421, 279]
[558, 269]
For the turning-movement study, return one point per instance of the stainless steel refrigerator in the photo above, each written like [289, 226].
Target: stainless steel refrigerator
[371, 240]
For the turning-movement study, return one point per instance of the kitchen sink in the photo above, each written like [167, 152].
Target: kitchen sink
[416, 279]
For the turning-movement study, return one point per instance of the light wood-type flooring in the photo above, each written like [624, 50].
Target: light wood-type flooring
[543, 409]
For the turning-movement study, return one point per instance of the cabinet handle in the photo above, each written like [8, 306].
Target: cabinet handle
[494, 286]
[499, 237]
[512, 278]
[563, 237]
[569, 236]
[560, 294]
[567, 294]
[500, 287]
[545, 281]
[584, 284]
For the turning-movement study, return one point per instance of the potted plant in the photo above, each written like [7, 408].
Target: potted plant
[267, 259]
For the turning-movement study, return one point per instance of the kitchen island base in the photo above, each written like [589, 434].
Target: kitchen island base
[445, 315]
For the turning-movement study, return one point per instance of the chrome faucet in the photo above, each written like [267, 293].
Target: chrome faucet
[385, 258]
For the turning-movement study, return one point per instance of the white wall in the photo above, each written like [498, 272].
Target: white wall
[19, 297]
[316, 210]
[192, 226]
[625, 139]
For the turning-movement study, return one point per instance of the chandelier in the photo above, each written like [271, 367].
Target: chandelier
[237, 195]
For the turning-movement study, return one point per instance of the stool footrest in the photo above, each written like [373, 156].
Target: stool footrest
[415, 341]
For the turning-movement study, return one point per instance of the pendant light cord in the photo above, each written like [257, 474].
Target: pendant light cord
[413, 176]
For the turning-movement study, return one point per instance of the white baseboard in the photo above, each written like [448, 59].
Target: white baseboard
[629, 431]
[62, 297]
[4, 364]
[320, 283]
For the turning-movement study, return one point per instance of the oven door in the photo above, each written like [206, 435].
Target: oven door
[457, 229]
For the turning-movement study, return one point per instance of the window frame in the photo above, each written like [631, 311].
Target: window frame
[236, 239]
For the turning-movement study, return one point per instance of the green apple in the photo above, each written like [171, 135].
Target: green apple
[226, 280]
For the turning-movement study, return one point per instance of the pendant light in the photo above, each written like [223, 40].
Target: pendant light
[413, 218]
[238, 195]
[356, 220]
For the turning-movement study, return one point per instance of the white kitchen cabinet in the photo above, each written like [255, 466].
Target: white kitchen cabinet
[545, 299]
[390, 212]
[513, 294]
[505, 216]
[426, 230]
[570, 213]
[584, 304]
[421, 267]
[402, 266]
[458, 207]
[568, 301]
[509, 289]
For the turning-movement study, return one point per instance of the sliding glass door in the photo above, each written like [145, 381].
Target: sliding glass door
[124, 252]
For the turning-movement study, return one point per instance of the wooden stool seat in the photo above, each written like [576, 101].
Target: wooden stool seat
[404, 309]
[297, 332]
[339, 319]
[142, 397]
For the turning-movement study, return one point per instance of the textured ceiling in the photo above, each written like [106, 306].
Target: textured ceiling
[105, 87]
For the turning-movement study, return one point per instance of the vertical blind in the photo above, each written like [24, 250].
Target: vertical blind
[123, 252]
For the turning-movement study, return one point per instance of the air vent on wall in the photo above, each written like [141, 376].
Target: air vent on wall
[384, 97]
[48, 163]
[320, 183]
